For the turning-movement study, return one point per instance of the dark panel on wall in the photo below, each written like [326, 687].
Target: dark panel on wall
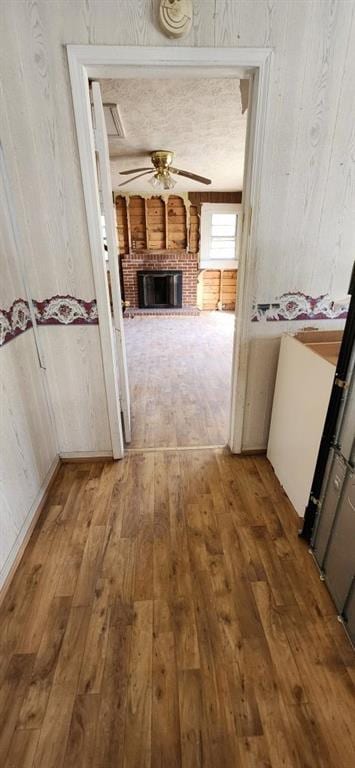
[196, 198]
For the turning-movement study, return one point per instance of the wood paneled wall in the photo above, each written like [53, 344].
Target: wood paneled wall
[38, 135]
[194, 241]
[177, 235]
[196, 198]
[305, 233]
[156, 227]
[27, 440]
[123, 230]
[156, 224]
[217, 289]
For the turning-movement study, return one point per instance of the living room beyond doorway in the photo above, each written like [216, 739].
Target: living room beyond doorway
[179, 369]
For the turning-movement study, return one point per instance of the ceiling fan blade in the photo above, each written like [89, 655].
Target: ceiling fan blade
[189, 175]
[135, 170]
[136, 177]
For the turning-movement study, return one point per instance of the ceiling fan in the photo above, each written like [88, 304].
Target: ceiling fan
[162, 166]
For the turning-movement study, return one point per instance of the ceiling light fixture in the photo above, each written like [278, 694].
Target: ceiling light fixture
[163, 171]
[162, 180]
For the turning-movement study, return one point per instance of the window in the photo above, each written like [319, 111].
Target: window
[220, 234]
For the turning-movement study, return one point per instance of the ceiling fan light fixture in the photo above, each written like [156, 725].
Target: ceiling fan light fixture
[168, 182]
[162, 160]
[154, 182]
[162, 180]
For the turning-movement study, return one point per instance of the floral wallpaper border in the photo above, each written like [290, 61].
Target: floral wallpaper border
[66, 310]
[14, 321]
[299, 306]
[69, 310]
[57, 310]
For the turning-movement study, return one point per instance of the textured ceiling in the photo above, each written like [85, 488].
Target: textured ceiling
[200, 120]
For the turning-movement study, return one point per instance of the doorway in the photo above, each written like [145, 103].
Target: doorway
[179, 235]
[88, 62]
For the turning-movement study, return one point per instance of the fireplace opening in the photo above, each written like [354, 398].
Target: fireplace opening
[160, 289]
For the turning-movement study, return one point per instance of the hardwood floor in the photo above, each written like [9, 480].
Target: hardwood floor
[180, 377]
[166, 614]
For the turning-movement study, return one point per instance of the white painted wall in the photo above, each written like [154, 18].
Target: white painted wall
[263, 360]
[302, 391]
[306, 234]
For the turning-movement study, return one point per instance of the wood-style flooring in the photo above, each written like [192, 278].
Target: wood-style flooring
[180, 378]
[166, 614]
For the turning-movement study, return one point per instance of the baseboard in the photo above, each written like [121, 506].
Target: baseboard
[176, 448]
[77, 456]
[253, 452]
[14, 557]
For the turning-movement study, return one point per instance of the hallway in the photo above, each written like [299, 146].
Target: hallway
[180, 377]
[166, 614]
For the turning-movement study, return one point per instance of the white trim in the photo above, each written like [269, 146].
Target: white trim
[27, 527]
[103, 161]
[219, 264]
[82, 111]
[99, 61]
[120, 60]
[207, 210]
[258, 99]
[177, 448]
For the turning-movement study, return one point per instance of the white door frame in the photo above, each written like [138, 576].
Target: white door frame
[101, 144]
[110, 61]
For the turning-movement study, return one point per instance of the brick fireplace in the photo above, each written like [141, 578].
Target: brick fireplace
[147, 260]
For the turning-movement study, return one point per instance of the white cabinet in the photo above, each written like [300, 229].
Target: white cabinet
[303, 384]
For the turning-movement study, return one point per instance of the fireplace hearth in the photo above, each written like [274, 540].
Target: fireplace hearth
[160, 289]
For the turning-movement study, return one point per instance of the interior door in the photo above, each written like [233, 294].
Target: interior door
[105, 185]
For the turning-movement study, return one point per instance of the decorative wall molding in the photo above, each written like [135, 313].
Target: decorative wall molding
[298, 306]
[57, 310]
